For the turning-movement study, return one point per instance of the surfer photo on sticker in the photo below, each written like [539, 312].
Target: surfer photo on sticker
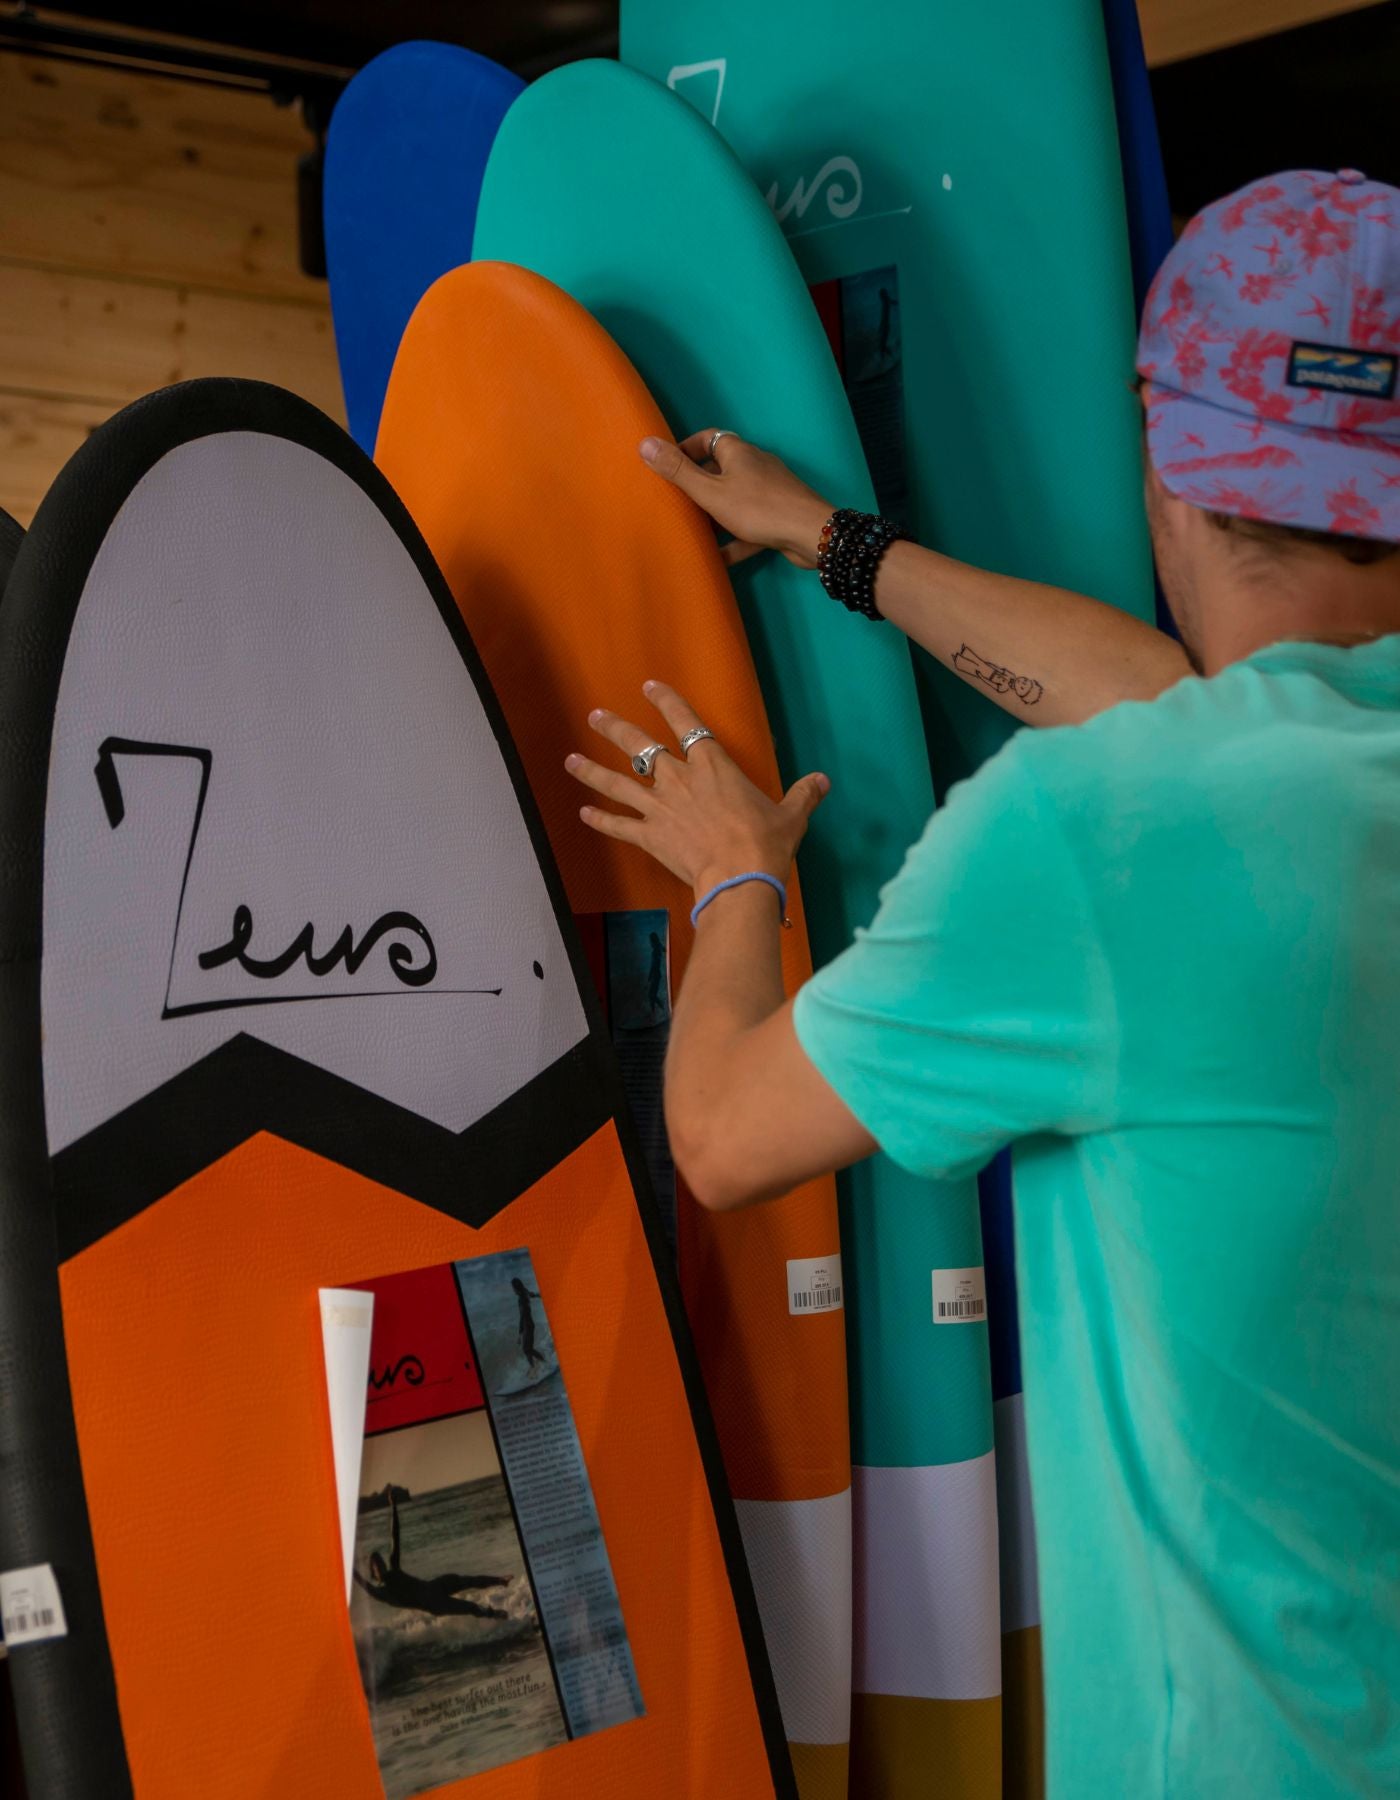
[440, 1639]
[1195, 874]
[485, 1617]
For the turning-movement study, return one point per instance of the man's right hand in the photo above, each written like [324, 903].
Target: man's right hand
[747, 492]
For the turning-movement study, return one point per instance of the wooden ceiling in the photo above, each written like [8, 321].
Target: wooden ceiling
[337, 36]
[1239, 85]
[531, 35]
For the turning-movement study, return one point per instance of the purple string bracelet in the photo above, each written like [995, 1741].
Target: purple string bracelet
[738, 881]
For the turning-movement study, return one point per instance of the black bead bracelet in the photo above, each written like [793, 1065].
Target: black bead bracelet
[848, 557]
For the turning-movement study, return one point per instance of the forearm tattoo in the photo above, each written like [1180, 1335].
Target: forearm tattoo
[1001, 681]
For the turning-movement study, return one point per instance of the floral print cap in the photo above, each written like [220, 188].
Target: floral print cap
[1269, 350]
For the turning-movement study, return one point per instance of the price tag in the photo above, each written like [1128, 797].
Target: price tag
[814, 1284]
[959, 1296]
[30, 1608]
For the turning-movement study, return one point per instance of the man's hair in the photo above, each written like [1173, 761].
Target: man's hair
[1358, 550]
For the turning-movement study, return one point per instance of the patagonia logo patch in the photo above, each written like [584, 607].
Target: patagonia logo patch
[1367, 372]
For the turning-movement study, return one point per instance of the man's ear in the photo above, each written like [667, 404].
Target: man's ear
[1166, 511]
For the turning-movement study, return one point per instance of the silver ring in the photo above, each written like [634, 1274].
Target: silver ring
[715, 436]
[645, 760]
[691, 738]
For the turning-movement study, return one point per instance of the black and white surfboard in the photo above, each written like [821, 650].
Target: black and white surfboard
[267, 865]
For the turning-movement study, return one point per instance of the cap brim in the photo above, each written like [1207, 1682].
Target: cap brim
[1345, 483]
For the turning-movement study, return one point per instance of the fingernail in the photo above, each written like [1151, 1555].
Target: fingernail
[647, 686]
[650, 448]
[572, 760]
[595, 715]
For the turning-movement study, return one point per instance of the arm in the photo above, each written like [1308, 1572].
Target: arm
[977, 1009]
[1044, 654]
[733, 1054]
[748, 1116]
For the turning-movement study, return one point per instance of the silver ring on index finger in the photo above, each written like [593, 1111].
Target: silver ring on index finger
[715, 436]
[695, 736]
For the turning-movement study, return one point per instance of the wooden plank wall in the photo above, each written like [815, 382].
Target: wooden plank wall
[1175, 29]
[148, 234]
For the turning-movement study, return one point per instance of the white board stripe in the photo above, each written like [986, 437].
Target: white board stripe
[928, 1616]
[799, 1555]
[1020, 1592]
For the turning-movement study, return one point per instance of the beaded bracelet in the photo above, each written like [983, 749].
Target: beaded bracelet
[848, 557]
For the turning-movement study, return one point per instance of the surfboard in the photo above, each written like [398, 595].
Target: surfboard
[963, 162]
[407, 143]
[574, 602]
[290, 998]
[11, 537]
[526, 1382]
[675, 252]
[972, 152]
[1150, 231]
[1144, 179]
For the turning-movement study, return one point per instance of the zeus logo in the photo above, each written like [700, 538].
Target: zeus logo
[841, 200]
[718, 66]
[343, 950]
[838, 179]
[409, 962]
[410, 1367]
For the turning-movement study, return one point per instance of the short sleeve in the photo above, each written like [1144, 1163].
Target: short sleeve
[978, 1007]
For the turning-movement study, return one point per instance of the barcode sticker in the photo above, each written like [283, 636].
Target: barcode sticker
[30, 1609]
[814, 1284]
[959, 1296]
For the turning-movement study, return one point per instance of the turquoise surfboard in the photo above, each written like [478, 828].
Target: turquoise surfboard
[973, 151]
[965, 160]
[614, 189]
[407, 143]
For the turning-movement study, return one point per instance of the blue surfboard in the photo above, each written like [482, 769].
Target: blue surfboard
[407, 145]
[1144, 179]
[1145, 197]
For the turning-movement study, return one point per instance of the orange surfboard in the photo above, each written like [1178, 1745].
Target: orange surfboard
[290, 999]
[510, 429]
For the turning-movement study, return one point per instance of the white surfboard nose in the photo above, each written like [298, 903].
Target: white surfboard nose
[248, 821]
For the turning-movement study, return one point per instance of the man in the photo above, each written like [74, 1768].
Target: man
[441, 1595]
[1159, 952]
[525, 1333]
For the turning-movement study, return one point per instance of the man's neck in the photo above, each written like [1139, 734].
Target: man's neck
[1314, 598]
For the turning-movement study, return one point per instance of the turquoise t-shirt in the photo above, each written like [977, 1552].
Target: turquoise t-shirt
[1160, 953]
